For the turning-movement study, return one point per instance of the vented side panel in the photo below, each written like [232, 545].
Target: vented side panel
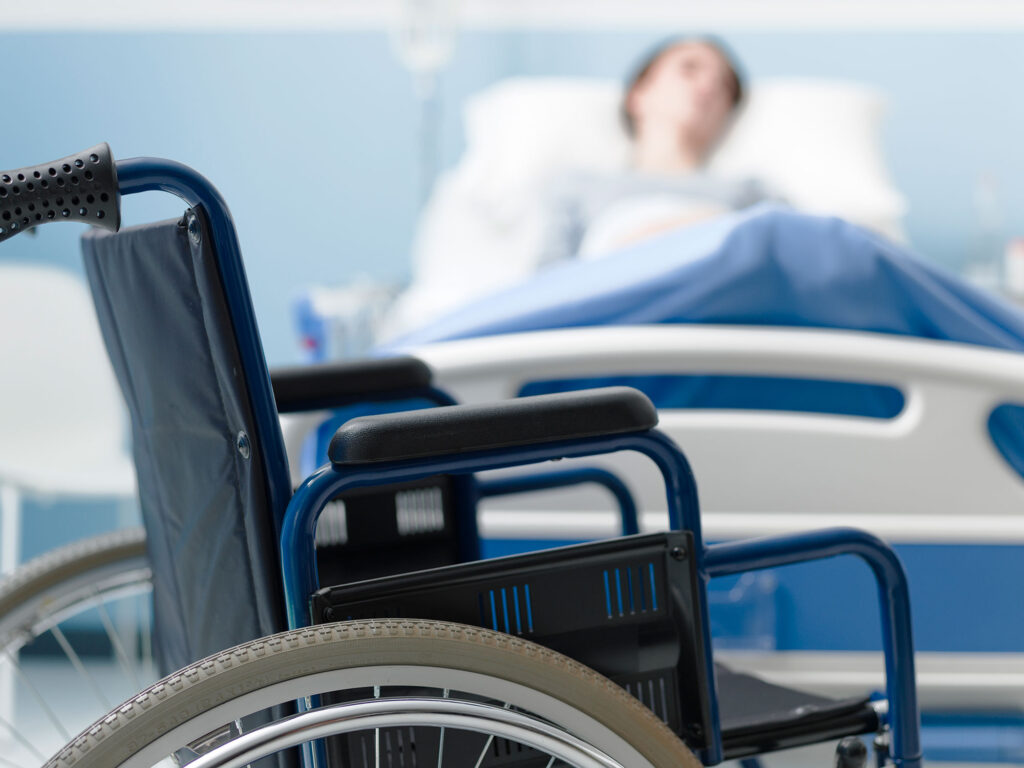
[367, 533]
[627, 608]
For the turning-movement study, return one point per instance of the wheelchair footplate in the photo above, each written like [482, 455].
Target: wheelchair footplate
[626, 607]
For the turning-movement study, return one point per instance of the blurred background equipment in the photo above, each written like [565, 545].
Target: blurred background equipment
[424, 40]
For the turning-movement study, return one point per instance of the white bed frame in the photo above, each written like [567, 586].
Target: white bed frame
[929, 475]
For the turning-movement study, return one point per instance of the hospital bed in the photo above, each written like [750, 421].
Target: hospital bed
[797, 135]
[929, 480]
[928, 477]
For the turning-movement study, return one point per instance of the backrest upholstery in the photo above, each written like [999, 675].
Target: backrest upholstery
[211, 537]
[164, 317]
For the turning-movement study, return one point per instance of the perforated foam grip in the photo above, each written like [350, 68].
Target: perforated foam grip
[79, 187]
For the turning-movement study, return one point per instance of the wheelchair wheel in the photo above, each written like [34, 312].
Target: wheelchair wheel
[396, 693]
[74, 637]
[44, 588]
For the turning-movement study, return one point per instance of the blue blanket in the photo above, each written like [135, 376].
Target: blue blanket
[765, 266]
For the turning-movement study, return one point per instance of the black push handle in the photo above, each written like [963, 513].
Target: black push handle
[79, 187]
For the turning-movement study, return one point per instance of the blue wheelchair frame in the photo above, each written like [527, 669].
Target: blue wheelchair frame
[295, 515]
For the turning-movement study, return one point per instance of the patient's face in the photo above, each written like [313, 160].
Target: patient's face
[690, 89]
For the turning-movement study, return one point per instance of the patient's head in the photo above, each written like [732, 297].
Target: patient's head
[680, 103]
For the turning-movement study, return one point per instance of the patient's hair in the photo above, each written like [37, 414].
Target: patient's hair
[648, 62]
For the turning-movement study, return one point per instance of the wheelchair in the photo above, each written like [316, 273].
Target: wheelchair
[393, 643]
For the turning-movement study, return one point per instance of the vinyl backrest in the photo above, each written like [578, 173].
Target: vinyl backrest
[165, 321]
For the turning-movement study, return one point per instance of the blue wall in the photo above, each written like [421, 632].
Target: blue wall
[312, 138]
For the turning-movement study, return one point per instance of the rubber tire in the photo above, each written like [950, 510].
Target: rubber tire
[349, 645]
[75, 564]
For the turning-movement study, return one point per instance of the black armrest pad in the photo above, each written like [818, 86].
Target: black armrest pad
[310, 387]
[464, 428]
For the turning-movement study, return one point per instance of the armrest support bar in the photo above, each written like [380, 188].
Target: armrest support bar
[893, 596]
[298, 549]
[505, 424]
[332, 385]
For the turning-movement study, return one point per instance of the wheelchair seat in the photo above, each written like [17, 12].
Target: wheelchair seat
[164, 316]
[758, 716]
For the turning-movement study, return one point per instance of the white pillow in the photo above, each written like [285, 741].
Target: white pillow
[817, 142]
[522, 132]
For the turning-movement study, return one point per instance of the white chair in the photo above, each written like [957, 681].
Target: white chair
[62, 419]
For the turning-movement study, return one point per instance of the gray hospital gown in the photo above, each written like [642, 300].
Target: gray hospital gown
[580, 203]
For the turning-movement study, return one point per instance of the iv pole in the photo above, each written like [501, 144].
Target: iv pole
[424, 41]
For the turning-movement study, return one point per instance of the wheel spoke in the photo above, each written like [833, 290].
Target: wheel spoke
[21, 739]
[50, 714]
[145, 621]
[483, 753]
[115, 641]
[490, 740]
[376, 733]
[11, 764]
[241, 732]
[76, 662]
[440, 749]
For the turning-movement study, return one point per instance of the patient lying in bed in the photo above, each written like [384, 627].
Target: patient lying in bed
[549, 169]
[676, 108]
[766, 266]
